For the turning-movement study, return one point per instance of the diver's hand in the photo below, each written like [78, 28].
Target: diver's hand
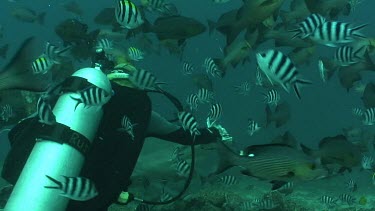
[225, 137]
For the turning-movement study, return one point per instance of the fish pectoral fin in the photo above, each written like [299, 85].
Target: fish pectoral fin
[276, 184]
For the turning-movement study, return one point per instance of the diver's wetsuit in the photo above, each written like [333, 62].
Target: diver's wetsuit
[114, 155]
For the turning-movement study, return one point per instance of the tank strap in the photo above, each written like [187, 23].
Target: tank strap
[63, 134]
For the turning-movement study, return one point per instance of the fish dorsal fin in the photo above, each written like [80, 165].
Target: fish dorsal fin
[259, 148]
[286, 139]
[166, 18]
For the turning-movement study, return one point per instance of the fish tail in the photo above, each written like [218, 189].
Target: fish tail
[355, 31]
[297, 33]
[308, 151]
[58, 183]
[63, 51]
[298, 84]
[296, 90]
[211, 26]
[41, 18]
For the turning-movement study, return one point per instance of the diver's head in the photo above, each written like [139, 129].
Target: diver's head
[101, 60]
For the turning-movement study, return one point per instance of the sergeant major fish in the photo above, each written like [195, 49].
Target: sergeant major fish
[332, 33]
[128, 15]
[308, 26]
[280, 69]
[91, 96]
[76, 188]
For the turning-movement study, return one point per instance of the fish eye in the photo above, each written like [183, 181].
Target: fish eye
[263, 54]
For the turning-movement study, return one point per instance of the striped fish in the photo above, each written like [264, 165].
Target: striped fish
[135, 54]
[308, 26]
[243, 89]
[44, 111]
[176, 154]
[347, 55]
[51, 50]
[104, 44]
[280, 69]
[192, 100]
[214, 114]
[167, 9]
[357, 112]
[153, 4]
[329, 201]
[127, 127]
[142, 207]
[282, 187]
[165, 196]
[322, 71]
[42, 65]
[332, 33]
[266, 204]
[351, 185]
[205, 96]
[187, 68]
[212, 68]
[54, 53]
[368, 162]
[92, 96]
[144, 80]
[128, 15]
[189, 123]
[228, 180]
[272, 97]
[6, 112]
[245, 206]
[368, 117]
[75, 188]
[182, 168]
[347, 198]
[258, 77]
[252, 127]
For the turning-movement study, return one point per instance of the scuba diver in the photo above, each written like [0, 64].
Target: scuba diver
[114, 153]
